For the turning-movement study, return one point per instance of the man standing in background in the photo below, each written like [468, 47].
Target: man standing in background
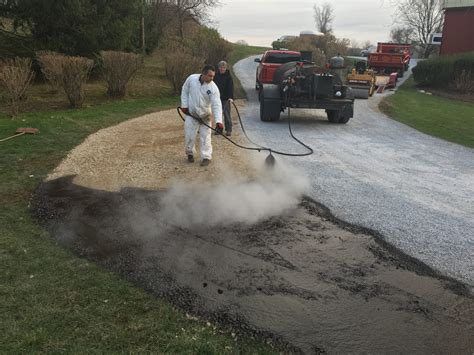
[200, 98]
[225, 84]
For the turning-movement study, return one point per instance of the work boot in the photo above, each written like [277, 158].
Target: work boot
[205, 162]
[190, 158]
[228, 134]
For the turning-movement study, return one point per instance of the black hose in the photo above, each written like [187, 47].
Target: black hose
[258, 146]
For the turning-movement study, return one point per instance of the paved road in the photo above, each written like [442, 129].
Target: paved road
[415, 190]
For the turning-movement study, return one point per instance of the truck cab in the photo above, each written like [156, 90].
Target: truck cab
[270, 61]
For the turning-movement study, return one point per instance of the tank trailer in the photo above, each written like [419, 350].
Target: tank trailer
[306, 85]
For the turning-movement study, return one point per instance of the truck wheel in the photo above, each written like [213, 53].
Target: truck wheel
[269, 110]
[333, 115]
[340, 116]
[346, 113]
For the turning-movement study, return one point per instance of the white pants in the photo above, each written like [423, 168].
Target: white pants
[191, 127]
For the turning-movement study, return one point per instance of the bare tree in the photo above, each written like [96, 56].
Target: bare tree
[421, 17]
[367, 44]
[401, 34]
[323, 15]
[185, 10]
[354, 43]
[160, 20]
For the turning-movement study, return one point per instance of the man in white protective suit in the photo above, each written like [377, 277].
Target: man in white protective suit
[200, 98]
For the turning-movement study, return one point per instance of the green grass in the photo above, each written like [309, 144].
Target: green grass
[239, 53]
[54, 301]
[448, 119]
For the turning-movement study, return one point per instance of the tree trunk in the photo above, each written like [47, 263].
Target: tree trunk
[142, 35]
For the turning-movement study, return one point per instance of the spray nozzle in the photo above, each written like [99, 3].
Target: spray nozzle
[270, 160]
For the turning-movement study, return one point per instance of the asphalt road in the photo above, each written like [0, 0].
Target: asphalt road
[415, 190]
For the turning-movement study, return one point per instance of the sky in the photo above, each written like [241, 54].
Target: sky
[260, 22]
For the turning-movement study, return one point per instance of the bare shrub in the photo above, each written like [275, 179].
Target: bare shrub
[75, 71]
[179, 65]
[337, 46]
[464, 81]
[307, 44]
[118, 69]
[16, 76]
[209, 44]
[52, 68]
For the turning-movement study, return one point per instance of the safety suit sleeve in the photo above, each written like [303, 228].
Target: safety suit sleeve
[216, 105]
[185, 93]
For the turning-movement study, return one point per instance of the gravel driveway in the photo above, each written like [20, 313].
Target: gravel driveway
[415, 190]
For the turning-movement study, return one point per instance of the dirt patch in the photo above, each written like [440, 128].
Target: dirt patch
[148, 152]
[299, 274]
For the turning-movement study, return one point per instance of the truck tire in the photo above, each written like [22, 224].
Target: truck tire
[333, 115]
[341, 116]
[269, 110]
[346, 113]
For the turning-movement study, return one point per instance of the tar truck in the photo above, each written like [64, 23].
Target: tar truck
[299, 83]
[390, 58]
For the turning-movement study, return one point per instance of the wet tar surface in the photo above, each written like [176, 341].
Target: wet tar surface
[308, 281]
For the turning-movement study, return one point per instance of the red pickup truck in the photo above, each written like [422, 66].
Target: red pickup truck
[390, 57]
[271, 60]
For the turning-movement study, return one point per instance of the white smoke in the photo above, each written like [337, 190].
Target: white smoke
[275, 191]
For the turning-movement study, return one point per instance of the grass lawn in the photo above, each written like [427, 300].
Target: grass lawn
[448, 119]
[239, 53]
[54, 301]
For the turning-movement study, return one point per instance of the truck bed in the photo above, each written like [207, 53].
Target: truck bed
[386, 60]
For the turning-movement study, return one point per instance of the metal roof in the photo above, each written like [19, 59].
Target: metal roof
[457, 3]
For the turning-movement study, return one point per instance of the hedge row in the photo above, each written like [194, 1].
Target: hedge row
[68, 72]
[444, 71]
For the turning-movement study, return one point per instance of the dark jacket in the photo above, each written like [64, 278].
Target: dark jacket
[225, 84]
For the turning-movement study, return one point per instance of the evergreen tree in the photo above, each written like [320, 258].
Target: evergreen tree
[78, 27]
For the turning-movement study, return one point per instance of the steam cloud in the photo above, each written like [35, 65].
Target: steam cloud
[275, 191]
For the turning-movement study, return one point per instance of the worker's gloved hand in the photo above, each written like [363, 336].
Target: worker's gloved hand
[231, 100]
[219, 127]
[185, 110]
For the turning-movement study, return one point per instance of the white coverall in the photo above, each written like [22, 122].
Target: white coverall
[201, 100]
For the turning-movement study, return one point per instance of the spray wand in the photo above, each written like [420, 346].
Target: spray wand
[270, 159]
